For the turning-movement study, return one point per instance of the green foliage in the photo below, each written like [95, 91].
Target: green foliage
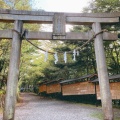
[16, 4]
[2, 92]
[107, 5]
[112, 48]
[33, 69]
[100, 116]
[27, 49]
[103, 6]
[85, 63]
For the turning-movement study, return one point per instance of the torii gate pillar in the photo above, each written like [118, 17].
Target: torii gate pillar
[103, 74]
[13, 74]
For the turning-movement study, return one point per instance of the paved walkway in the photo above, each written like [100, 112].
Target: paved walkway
[39, 108]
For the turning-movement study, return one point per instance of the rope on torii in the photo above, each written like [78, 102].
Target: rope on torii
[74, 52]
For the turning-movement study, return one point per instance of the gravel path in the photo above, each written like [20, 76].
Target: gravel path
[39, 108]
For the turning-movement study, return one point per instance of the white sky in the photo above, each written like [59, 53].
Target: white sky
[75, 6]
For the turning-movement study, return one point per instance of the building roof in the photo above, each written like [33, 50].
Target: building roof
[113, 77]
[54, 81]
[43, 82]
[77, 79]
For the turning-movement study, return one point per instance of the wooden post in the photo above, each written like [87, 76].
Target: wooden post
[103, 74]
[13, 74]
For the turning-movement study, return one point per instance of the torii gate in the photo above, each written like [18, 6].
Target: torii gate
[58, 20]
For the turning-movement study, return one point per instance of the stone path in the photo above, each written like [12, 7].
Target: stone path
[40, 108]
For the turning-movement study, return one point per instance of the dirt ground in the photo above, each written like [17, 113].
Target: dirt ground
[33, 107]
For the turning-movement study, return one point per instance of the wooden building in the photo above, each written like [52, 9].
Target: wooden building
[53, 86]
[84, 85]
[114, 87]
[79, 86]
[42, 87]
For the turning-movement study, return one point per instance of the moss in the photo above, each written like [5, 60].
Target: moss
[97, 115]
[100, 116]
[1, 110]
[2, 91]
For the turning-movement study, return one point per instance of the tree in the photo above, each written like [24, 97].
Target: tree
[112, 48]
[84, 64]
[5, 45]
[103, 6]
